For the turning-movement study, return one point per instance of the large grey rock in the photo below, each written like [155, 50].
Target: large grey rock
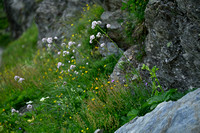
[127, 66]
[54, 18]
[20, 15]
[173, 42]
[182, 116]
[117, 20]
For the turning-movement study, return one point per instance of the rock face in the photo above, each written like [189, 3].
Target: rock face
[173, 42]
[182, 116]
[20, 15]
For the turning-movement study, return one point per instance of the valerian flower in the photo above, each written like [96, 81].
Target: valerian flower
[59, 65]
[108, 26]
[16, 78]
[102, 45]
[29, 106]
[44, 40]
[20, 80]
[98, 34]
[49, 40]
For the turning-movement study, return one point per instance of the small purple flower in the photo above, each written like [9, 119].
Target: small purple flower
[20, 128]
[59, 104]
[146, 83]
[112, 81]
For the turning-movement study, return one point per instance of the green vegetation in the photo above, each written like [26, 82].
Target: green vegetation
[69, 85]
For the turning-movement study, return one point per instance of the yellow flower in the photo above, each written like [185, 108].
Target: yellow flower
[111, 87]
[3, 110]
[84, 91]
[79, 86]
[73, 35]
[70, 117]
[50, 69]
[96, 78]
[108, 82]
[93, 99]
[82, 131]
[104, 66]
[54, 101]
[86, 71]
[125, 85]
[30, 120]
[96, 88]
[72, 24]
[87, 128]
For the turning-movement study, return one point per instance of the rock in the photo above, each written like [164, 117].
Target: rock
[109, 48]
[20, 14]
[110, 5]
[117, 21]
[182, 116]
[173, 42]
[54, 18]
[127, 65]
[98, 131]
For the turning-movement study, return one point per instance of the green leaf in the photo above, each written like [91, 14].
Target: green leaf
[133, 113]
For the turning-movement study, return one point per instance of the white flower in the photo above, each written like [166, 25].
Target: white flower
[99, 22]
[59, 64]
[98, 34]
[72, 57]
[42, 99]
[16, 78]
[59, 53]
[73, 51]
[79, 45]
[86, 63]
[44, 39]
[94, 23]
[20, 80]
[49, 45]
[55, 37]
[63, 44]
[47, 97]
[14, 111]
[29, 102]
[102, 45]
[29, 106]
[108, 26]
[65, 52]
[68, 61]
[72, 66]
[68, 70]
[92, 37]
[70, 43]
[49, 40]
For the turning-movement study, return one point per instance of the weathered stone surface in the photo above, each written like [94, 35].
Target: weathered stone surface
[173, 42]
[109, 48]
[127, 65]
[20, 15]
[117, 21]
[110, 5]
[182, 116]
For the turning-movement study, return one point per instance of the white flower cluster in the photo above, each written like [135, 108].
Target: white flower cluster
[72, 67]
[70, 43]
[19, 79]
[42, 99]
[92, 37]
[94, 23]
[102, 45]
[65, 52]
[98, 34]
[59, 64]
[14, 111]
[29, 107]
[108, 26]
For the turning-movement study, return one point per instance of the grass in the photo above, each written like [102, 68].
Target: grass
[76, 97]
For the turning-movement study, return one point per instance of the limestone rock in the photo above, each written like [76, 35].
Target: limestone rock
[20, 15]
[173, 42]
[127, 64]
[182, 116]
[109, 47]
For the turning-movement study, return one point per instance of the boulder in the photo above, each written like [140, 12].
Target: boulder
[182, 116]
[173, 42]
[20, 14]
